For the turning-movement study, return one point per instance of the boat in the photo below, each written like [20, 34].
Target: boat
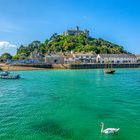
[109, 69]
[8, 75]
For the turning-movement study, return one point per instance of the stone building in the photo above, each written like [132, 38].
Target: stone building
[54, 58]
[76, 31]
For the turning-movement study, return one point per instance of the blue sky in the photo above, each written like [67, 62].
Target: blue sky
[22, 21]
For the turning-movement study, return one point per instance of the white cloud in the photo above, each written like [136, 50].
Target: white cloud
[7, 47]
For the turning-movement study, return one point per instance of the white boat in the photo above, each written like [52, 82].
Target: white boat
[8, 75]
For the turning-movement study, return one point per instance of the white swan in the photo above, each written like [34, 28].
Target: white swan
[108, 130]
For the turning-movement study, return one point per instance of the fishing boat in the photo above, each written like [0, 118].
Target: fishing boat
[108, 68]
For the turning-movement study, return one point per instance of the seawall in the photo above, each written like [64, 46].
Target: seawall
[70, 66]
[101, 66]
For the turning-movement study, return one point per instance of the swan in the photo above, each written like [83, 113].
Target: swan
[108, 130]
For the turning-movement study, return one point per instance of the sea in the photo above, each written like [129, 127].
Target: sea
[70, 105]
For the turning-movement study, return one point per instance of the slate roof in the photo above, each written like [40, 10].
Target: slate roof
[117, 56]
[85, 54]
[54, 55]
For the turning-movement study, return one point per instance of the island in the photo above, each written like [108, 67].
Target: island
[75, 48]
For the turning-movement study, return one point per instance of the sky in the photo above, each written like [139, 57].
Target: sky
[23, 21]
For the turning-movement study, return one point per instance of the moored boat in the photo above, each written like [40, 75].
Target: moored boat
[8, 75]
[108, 69]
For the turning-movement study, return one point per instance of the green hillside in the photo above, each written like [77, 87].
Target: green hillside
[77, 43]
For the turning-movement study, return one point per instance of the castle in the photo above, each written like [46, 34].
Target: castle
[76, 31]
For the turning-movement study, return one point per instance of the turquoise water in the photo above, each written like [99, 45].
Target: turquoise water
[70, 104]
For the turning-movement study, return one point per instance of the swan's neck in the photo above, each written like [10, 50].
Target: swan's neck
[102, 128]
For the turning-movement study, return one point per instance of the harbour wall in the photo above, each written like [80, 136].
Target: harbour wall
[102, 66]
[76, 66]
[33, 65]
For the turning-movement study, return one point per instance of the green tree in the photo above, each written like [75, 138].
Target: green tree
[6, 56]
[16, 57]
[77, 43]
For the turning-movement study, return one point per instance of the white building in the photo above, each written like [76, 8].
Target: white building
[35, 55]
[138, 57]
[116, 58]
[79, 58]
[86, 58]
[69, 58]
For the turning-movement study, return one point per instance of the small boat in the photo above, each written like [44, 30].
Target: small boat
[4, 73]
[8, 75]
[109, 69]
